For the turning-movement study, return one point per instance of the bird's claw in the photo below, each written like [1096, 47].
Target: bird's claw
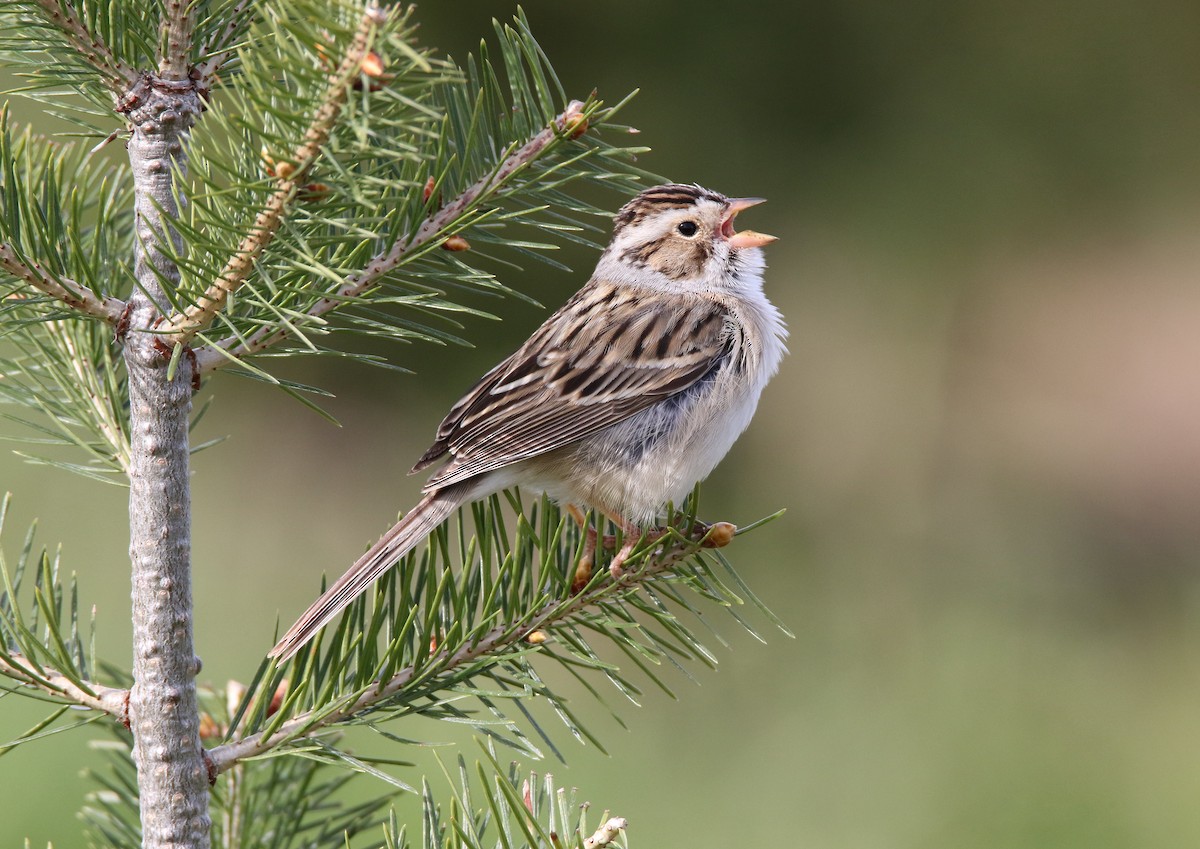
[583, 569]
[715, 535]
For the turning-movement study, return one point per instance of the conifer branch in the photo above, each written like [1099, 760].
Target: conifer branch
[219, 48]
[497, 640]
[570, 122]
[178, 25]
[72, 294]
[63, 15]
[110, 700]
[291, 173]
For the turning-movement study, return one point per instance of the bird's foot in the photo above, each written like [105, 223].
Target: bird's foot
[633, 538]
[617, 567]
[715, 535]
[583, 569]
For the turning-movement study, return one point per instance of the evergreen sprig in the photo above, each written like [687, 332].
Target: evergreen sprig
[454, 630]
[65, 226]
[90, 48]
[65, 221]
[47, 641]
[501, 808]
[277, 803]
[422, 152]
[287, 803]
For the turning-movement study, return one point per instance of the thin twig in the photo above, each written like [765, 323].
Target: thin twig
[117, 75]
[72, 294]
[606, 833]
[303, 725]
[110, 700]
[178, 26]
[232, 348]
[181, 327]
[220, 48]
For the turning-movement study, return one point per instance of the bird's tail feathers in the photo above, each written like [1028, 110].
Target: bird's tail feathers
[430, 512]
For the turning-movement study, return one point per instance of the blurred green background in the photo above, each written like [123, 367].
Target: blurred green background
[987, 434]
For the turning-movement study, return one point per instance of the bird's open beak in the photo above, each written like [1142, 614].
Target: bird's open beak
[746, 238]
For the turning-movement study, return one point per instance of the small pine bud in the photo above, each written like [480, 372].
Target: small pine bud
[314, 191]
[456, 243]
[536, 638]
[373, 68]
[284, 170]
[277, 697]
[719, 535]
[575, 126]
[372, 65]
[210, 729]
[427, 192]
[268, 161]
[583, 574]
[324, 57]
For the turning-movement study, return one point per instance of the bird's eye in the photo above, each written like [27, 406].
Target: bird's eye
[687, 228]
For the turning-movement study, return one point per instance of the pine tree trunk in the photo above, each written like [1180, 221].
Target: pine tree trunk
[172, 779]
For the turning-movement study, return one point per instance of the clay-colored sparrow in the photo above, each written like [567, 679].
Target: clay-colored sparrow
[625, 398]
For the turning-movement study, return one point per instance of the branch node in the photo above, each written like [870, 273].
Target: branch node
[210, 767]
[73, 294]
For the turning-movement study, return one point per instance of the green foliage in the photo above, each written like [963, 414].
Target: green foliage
[65, 210]
[46, 640]
[289, 803]
[60, 64]
[280, 803]
[370, 190]
[503, 809]
[68, 377]
[68, 215]
[459, 630]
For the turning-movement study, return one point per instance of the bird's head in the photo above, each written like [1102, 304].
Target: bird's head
[684, 234]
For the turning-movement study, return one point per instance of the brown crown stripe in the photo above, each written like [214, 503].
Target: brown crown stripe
[671, 196]
[677, 192]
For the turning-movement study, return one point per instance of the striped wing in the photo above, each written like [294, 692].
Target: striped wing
[606, 355]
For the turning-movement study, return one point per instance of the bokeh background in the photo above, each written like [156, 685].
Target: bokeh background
[987, 434]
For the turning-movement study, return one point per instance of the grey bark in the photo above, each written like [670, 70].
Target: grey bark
[172, 777]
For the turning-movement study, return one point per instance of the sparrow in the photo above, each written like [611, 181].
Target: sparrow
[622, 400]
